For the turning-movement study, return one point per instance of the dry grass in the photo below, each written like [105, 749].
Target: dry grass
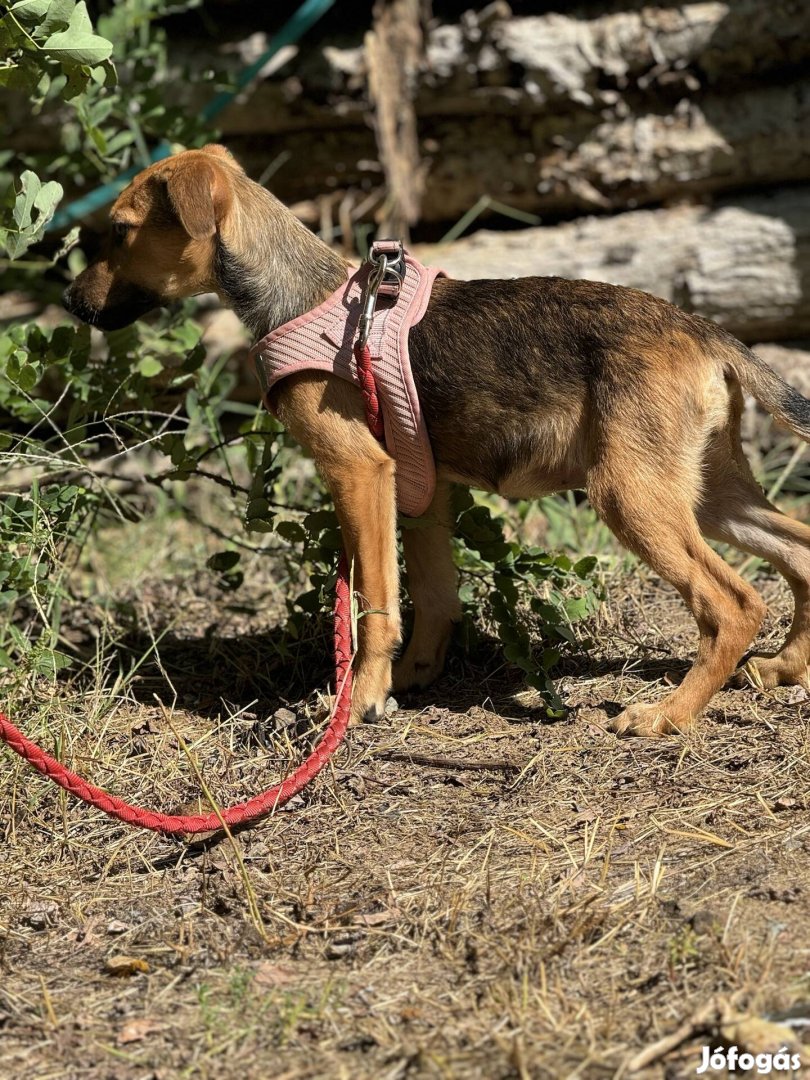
[469, 892]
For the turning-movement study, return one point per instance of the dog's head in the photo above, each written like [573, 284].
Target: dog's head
[162, 242]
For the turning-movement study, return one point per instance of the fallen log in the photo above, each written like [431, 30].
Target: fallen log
[563, 165]
[493, 61]
[744, 264]
[554, 115]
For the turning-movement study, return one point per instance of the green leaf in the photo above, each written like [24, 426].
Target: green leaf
[58, 17]
[46, 201]
[24, 204]
[30, 12]
[22, 77]
[583, 567]
[49, 662]
[291, 531]
[149, 367]
[577, 609]
[223, 561]
[32, 196]
[551, 658]
[257, 508]
[516, 653]
[78, 43]
[75, 81]
[28, 377]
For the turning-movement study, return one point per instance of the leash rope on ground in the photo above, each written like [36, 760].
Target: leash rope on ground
[267, 801]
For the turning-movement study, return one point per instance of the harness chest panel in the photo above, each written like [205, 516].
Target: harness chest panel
[323, 339]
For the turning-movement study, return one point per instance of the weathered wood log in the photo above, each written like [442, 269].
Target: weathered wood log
[394, 49]
[719, 143]
[559, 60]
[493, 61]
[564, 165]
[552, 114]
[744, 264]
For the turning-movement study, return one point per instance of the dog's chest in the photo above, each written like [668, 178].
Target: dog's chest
[322, 339]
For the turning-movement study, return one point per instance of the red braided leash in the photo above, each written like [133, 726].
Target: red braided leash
[368, 388]
[276, 796]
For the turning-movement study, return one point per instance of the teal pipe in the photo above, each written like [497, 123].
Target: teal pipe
[295, 27]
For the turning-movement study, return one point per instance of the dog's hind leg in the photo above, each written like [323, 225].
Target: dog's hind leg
[327, 415]
[433, 587]
[649, 505]
[735, 511]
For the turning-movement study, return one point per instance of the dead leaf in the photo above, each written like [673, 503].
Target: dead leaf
[269, 975]
[41, 914]
[125, 965]
[117, 927]
[376, 918]
[796, 695]
[786, 803]
[135, 1030]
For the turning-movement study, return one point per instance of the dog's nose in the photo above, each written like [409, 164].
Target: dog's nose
[68, 299]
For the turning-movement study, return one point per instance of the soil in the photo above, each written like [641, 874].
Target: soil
[468, 892]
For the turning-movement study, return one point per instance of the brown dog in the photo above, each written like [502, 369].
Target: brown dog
[620, 393]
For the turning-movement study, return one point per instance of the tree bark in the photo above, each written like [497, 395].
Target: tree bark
[393, 52]
[746, 265]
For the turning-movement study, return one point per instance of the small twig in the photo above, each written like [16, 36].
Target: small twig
[448, 763]
[704, 1019]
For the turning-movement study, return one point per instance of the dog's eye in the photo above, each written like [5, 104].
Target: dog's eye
[120, 230]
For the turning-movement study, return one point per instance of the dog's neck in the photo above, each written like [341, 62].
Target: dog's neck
[269, 267]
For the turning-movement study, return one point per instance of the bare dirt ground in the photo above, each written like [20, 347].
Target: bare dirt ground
[470, 892]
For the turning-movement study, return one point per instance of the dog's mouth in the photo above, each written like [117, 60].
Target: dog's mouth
[115, 315]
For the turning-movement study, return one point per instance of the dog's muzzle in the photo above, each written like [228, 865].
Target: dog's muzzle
[114, 315]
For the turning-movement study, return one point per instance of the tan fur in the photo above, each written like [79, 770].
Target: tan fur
[637, 403]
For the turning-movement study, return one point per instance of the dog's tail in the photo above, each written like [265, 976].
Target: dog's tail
[776, 396]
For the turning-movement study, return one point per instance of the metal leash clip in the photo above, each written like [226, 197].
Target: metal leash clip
[387, 275]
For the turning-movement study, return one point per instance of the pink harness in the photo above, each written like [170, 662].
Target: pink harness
[322, 340]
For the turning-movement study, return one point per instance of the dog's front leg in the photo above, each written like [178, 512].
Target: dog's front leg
[433, 587]
[327, 415]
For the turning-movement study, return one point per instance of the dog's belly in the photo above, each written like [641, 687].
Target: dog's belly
[534, 482]
[523, 456]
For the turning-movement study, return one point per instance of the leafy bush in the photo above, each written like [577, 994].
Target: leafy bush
[75, 404]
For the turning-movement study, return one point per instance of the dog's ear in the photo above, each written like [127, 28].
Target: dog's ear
[200, 193]
[217, 150]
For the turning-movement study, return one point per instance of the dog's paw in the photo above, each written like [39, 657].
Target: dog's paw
[412, 672]
[766, 672]
[372, 683]
[649, 721]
